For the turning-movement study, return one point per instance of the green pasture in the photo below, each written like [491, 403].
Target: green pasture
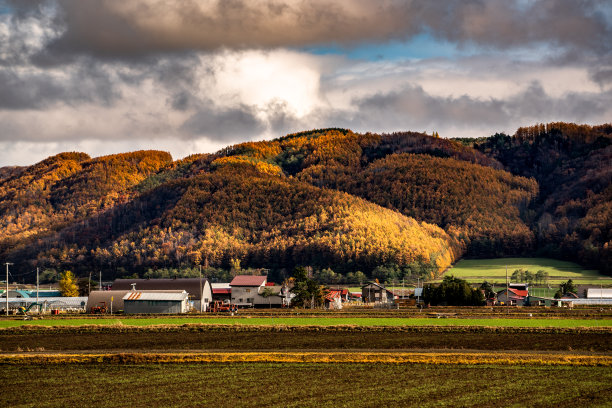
[494, 270]
[319, 321]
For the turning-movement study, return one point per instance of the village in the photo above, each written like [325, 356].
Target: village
[199, 295]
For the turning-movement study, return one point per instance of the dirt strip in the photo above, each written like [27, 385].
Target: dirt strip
[311, 357]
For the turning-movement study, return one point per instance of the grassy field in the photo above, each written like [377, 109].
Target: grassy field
[282, 385]
[494, 270]
[320, 321]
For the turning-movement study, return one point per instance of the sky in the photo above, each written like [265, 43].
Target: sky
[193, 76]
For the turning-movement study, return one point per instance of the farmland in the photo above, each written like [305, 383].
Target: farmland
[321, 321]
[247, 338]
[281, 385]
[494, 270]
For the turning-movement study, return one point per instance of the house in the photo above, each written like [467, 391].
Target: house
[333, 299]
[373, 292]
[155, 302]
[245, 288]
[514, 297]
[198, 290]
[255, 291]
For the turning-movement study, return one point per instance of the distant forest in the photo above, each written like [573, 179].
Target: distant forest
[351, 206]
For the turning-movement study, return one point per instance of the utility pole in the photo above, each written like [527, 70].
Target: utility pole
[89, 284]
[7, 293]
[507, 292]
[100, 280]
[201, 299]
[37, 305]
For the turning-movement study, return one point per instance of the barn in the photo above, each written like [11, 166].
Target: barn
[198, 290]
[114, 298]
[136, 302]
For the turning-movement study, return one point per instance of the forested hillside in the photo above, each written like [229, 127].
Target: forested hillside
[395, 206]
[572, 217]
[434, 180]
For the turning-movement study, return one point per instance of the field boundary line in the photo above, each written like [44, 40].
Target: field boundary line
[311, 357]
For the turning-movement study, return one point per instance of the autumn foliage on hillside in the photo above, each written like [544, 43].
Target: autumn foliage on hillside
[267, 221]
[572, 217]
[441, 181]
[403, 205]
[67, 188]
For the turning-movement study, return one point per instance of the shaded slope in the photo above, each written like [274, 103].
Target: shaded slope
[66, 188]
[239, 213]
[573, 166]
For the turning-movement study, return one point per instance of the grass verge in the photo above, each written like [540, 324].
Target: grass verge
[320, 321]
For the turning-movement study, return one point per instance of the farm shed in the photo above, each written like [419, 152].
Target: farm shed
[221, 291]
[376, 293]
[155, 302]
[599, 293]
[99, 298]
[48, 303]
[190, 285]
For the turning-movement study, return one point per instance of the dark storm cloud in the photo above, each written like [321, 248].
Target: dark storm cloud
[227, 125]
[126, 29]
[413, 108]
[22, 89]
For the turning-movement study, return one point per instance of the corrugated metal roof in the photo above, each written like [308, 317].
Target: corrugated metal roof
[136, 296]
[191, 285]
[248, 280]
[222, 291]
[599, 293]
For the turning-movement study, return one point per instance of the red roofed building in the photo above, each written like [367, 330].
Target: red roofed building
[245, 288]
[249, 280]
[221, 291]
[514, 297]
[333, 299]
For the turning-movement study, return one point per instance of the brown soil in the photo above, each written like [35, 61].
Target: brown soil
[302, 338]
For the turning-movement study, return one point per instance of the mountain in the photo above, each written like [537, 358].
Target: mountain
[330, 198]
[572, 216]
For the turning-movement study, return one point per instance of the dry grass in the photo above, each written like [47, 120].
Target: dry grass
[312, 357]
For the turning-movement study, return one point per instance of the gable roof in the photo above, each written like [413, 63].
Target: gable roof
[333, 295]
[377, 285]
[521, 293]
[190, 285]
[248, 280]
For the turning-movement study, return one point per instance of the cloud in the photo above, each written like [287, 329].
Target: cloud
[109, 28]
[193, 76]
[413, 108]
[229, 125]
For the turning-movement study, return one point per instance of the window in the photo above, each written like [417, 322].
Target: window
[250, 300]
[247, 290]
[240, 300]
